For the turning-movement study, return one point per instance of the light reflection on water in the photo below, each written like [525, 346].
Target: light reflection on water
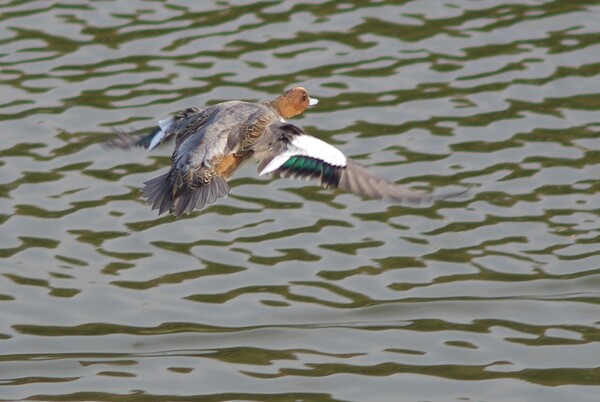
[285, 291]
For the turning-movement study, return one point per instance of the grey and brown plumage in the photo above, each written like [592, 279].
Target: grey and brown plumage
[210, 145]
[212, 142]
[165, 130]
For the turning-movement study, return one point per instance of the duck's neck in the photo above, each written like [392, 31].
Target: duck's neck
[275, 105]
[284, 107]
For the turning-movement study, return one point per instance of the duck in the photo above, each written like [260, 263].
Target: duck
[211, 143]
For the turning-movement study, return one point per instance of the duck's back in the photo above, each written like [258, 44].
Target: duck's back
[205, 139]
[205, 156]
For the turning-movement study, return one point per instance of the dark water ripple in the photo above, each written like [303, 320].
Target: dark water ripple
[285, 291]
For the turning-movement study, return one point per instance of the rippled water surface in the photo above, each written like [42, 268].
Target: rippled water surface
[285, 291]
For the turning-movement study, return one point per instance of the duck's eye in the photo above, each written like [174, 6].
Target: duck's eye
[303, 97]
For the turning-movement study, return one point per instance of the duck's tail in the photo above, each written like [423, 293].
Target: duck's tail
[164, 196]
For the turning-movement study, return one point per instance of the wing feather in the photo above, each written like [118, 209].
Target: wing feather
[288, 152]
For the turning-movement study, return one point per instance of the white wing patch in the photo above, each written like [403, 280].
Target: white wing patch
[161, 134]
[165, 124]
[307, 145]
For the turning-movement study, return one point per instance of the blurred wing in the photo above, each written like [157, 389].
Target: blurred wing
[125, 140]
[288, 152]
[165, 130]
[357, 179]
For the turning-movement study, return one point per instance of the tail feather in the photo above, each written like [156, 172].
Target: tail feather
[181, 202]
[222, 186]
[166, 203]
[210, 197]
[154, 187]
[159, 192]
[192, 204]
[155, 190]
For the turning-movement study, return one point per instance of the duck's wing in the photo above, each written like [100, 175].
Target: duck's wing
[192, 181]
[243, 138]
[166, 129]
[287, 151]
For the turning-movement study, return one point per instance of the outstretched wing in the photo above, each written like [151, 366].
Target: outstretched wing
[165, 130]
[287, 151]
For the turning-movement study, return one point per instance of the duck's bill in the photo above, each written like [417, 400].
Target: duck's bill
[312, 101]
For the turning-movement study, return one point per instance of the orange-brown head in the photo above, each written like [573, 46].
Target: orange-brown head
[293, 102]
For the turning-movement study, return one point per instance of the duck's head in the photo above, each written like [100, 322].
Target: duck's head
[293, 102]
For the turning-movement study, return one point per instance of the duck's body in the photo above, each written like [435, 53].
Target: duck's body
[207, 152]
[212, 142]
[205, 142]
[210, 145]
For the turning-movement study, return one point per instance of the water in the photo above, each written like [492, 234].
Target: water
[284, 291]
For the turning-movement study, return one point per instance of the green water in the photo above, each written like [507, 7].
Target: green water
[285, 291]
